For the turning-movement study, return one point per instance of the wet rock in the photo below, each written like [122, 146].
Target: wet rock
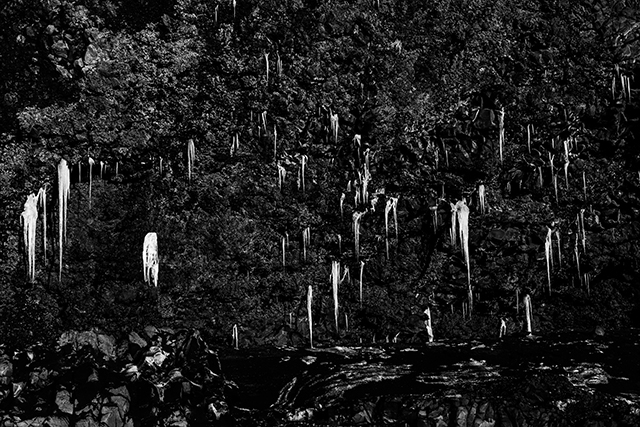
[63, 402]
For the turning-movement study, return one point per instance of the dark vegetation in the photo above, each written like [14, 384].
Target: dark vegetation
[129, 83]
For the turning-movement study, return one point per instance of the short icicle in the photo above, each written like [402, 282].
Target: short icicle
[503, 328]
[357, 216]
[528, 312]
[150, 259]
[427, 324]
[481, 197]
[234, 337]
[191, 157]
[306, 239]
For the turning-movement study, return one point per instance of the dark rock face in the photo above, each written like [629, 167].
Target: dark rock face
[158, 377]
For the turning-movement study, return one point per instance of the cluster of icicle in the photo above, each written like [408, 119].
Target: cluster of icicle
[29, 220]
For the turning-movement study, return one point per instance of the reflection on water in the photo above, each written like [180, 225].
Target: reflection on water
[311, 380]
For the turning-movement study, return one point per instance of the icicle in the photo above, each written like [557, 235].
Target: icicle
[291, 320]
[284, 253]
[434, 217]
[386, 226]
[481, 196]
[463, 224]
[160, 166]
[63, 199]
[234, 337]
[555, 186]
[264, 121]
[310, 315]
[335, 281]
[215, 14]
[559, 249]
[587, 282]
[361, 272]
[584, 185]
[367, 162]
[102, 168]
[303, 163]
[278, 64]
[583, 235]
[364, 184]
[357, 144]
[334, 127]
[79, 172]
[576, 252]
[342, 197]
[42, 202]
[528, 312]
[454, 225]
[117, 167]
[191, 157]
[395, 214]
[150, 261]
[501, 130]
[540, 180]
[282, 174]
[613, 88]
[503, 328]
[234, 9]
[427, 324]
[446, 156]
[306, 239]
[345, 275]
[566, 162]
[235, 145]
[91, 163]
[529, 126]
[29, 220]
[266, 64]
[357, 216]
[548, 256]
[275, 143]
[346, 322]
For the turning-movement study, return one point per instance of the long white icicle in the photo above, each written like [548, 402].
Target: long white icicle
[548, 254]
[42, 201]
[91, 163]
[309, 314]
[335, 282]
[63, 199]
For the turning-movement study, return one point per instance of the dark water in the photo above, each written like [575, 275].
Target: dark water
[609, 364]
